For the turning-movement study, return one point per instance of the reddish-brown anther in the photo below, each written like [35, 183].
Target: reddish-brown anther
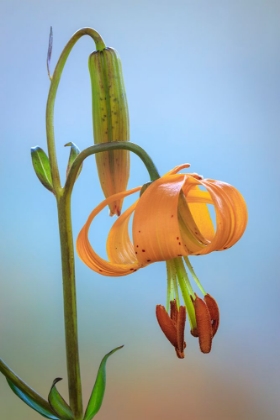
[173, 326]
[166, 324]
[204, 325]
[194, 332]
[214, 312]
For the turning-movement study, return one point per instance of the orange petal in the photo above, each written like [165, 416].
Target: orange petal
[231, 214]
[230, 208]
[119, 247]
[178, 168]
[191, 235]
[89, 256]
[198, 201]
[156, 231]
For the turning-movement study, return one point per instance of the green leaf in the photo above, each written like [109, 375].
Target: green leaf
[98, 391]
[27, 394]
[31, 402]
[42, 167]
[58, 404]
[74, 152]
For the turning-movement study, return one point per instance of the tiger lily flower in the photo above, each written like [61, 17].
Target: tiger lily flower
[171, 220]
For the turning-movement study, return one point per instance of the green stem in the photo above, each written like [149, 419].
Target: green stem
[150, 166]
[65, 229]
[70, 306]
[52, 94]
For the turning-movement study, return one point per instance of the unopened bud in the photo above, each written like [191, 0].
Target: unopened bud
[110, 122]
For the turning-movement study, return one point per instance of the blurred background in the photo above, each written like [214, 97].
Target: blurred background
[202, 82]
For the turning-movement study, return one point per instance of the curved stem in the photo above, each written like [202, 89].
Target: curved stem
[65, 229]
[150, 166]
[52, 94]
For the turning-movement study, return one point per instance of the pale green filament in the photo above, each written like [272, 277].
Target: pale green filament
[186, 289]
[187, 261]
[172, 286]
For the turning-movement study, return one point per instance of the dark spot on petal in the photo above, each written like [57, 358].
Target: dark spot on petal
[179, 243]
[143, 250]
[148, 260]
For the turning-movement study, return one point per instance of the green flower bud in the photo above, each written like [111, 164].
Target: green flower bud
[110, 122]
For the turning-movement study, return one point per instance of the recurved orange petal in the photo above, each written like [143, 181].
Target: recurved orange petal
[230, 209]
[92, 259]
[156, 231]
[119, 247]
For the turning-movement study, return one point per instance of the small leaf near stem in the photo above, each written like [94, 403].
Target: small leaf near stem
[74, 152]
[58, 404]
[42, 167]
[98, 391]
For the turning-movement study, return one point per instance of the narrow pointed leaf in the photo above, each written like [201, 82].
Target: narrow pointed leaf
[74, 152]
[42, 167]
[98, 391]
[31, 402]
[58, 404]
[27, 394]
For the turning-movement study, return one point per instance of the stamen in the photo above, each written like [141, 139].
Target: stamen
[186, 289]
[204, 326]
[194, 332]
[213, 311]
[190, 267]
[181, 321]
[173, 326]
[172, 284]
[173, 311]
[166, 324]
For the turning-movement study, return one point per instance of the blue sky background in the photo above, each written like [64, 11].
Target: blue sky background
[202, 82]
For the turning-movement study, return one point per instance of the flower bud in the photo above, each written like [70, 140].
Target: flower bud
[110, 122]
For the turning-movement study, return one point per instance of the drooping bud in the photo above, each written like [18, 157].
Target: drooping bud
[110, 122]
